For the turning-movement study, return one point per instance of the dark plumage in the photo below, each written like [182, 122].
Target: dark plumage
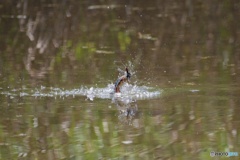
[121, 80]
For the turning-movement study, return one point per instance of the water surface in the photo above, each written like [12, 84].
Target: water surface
[59, 62]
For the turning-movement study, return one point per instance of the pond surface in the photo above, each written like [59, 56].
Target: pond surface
[59, 62]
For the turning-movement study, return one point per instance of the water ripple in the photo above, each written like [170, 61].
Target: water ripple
[128, 91]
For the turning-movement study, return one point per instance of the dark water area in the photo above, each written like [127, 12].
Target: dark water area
[59, 61]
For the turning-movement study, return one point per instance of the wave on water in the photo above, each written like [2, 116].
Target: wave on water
[128, 91]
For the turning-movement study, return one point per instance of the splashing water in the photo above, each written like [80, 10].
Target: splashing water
[128, 91]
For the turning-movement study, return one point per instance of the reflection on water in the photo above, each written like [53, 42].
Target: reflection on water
[182, 101]
[127, 110]
[183, 123]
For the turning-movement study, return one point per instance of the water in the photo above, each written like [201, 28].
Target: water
[90, 120]
[128, 91]
[59, 61]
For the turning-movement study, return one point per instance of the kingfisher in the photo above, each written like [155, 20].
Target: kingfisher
[121, 80]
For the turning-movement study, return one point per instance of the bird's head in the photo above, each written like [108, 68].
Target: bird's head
[128, 74]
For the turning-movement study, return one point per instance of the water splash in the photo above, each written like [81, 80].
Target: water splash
[129, 92]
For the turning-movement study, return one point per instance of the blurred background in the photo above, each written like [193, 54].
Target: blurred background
[65, 41]
[189, 49]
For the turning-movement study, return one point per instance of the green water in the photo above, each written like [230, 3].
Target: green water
[187, 51]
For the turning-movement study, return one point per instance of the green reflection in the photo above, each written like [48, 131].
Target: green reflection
[124, 40]
[187, 48]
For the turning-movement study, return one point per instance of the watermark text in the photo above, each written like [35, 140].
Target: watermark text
[226, 154]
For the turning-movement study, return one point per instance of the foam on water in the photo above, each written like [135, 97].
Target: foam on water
[128, 91]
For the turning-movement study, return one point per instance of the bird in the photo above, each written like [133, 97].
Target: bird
[121, 80]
